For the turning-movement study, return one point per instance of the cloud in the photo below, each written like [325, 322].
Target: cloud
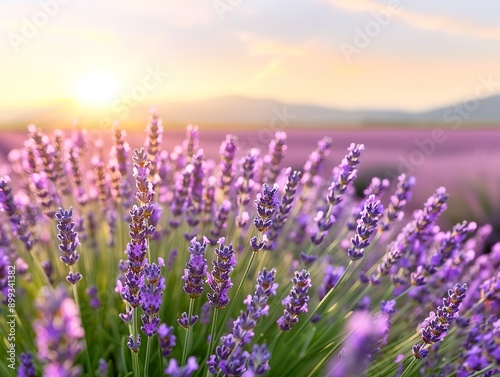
[422, 21]
[257, 45]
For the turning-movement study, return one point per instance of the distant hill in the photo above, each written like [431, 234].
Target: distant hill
[249, 112]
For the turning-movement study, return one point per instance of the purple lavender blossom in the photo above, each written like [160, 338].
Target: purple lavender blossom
[44, 149]
[142, 169]
[364, 333]
[100, 180]
[426, 219]
[136, 251]
[198, 181]
[367, 224]
[245, 183]
[17, 223]
[154, 138]
[103, 368]
[402, 195]
[220, 220]
[59, 333]
[332, 277]
[227, 153]
[192, 142]
[205, 313]
[344, 174]
[40, 185]
[219, 280]
[196, 268]
[277, 151]
[258, 362]
[167, 339]
[235, 364]
[68, 241]
[256, 306]
[186, 322]
[150, 297]
[175, 370]
[171, 259]
[314, 165]
[266, 206]
[296, 302]
[451, 242]
[94, 300]
[436, 326]
[285, 207]
[26, 367]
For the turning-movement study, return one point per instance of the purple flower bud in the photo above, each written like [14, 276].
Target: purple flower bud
[167, 339]
[26, 367]
[332, 277]
[175, 370]
[134, 345]
[103, 369]
[185, 322]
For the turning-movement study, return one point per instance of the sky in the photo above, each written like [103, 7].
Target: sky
[396, 54]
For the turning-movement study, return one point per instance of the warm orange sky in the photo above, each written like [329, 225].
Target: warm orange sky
[92, 52]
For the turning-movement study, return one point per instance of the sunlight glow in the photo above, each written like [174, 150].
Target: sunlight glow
[96, 88]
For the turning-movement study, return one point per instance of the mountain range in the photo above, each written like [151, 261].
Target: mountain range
[248, 112]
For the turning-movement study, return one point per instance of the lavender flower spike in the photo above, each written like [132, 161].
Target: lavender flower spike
[196, 268]
[17, 223]
[266, 206]
[258, 362]
[402, 195]
[436, 326]
[344, 173]
[219, 280]
[167, 339]
[150, 297]
[68, 241]
[367, 224]
[296, 302]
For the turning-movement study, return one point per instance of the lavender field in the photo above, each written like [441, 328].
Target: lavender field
[314, 253]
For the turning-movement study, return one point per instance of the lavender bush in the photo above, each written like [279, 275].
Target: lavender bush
[162, 262]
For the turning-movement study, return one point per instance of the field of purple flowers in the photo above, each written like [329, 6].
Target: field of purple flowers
[159, 261]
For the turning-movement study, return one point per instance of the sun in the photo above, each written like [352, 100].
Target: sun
[96, 88]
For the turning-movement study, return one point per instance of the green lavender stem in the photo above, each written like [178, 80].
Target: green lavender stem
[185, 349]
[146, 362]
[212, 336]
[77, 302]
